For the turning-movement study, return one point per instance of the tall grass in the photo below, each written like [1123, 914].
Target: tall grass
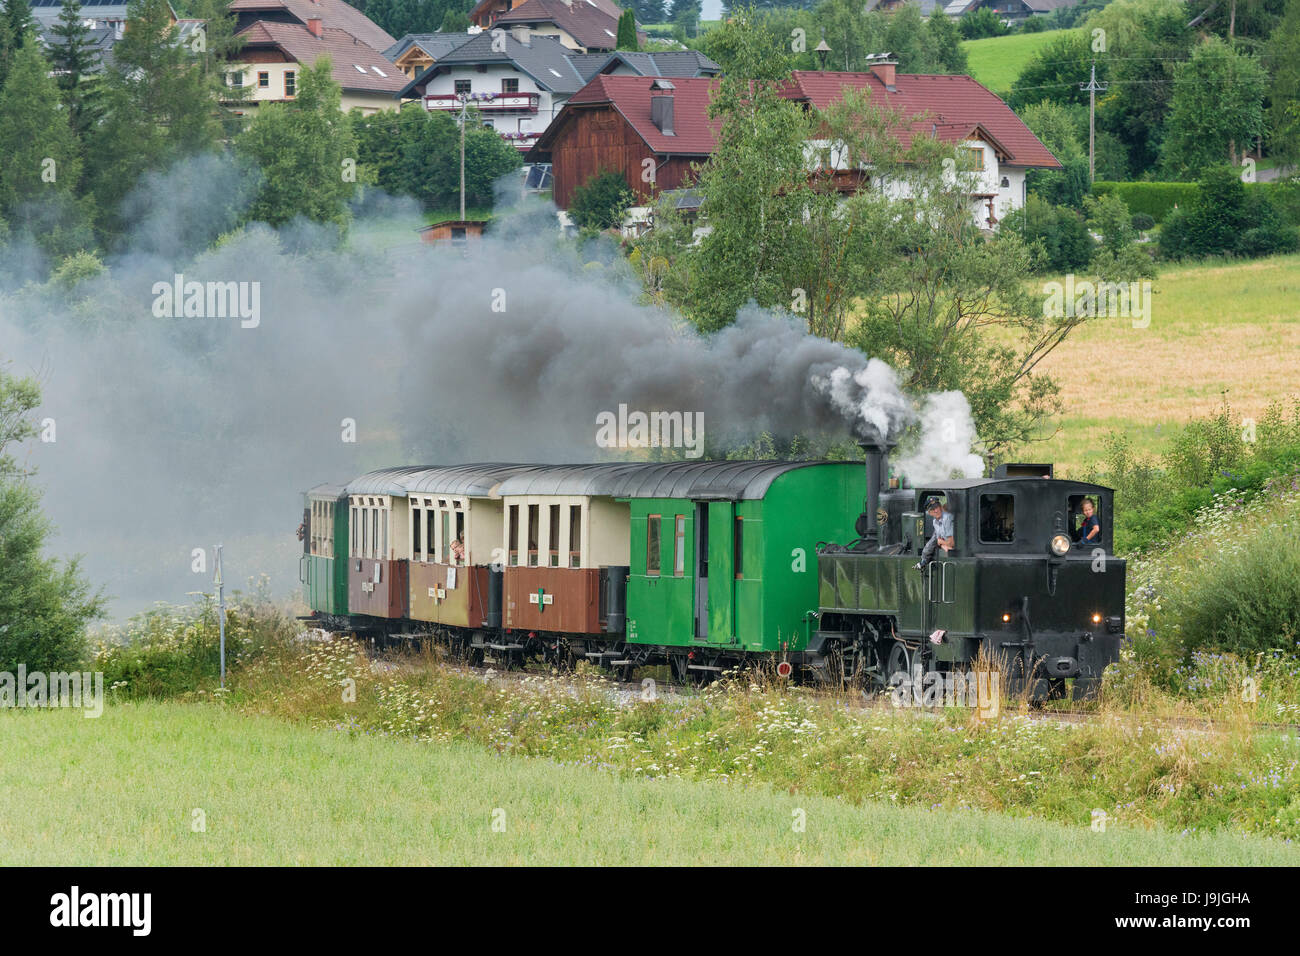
[1141, 774]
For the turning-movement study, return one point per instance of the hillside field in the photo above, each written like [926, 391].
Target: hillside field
[124, 790]
[997, 61]
[1213, 327]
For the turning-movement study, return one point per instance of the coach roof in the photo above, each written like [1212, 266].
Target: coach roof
[718, 480]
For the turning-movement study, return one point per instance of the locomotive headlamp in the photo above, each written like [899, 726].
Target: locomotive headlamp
[1006, 618]
[1060, 544]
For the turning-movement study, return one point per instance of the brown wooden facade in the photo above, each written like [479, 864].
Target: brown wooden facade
[552, 599]
[435, 598]
[598, 138]
[378, 587]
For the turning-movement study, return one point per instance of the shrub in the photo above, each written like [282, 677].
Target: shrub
[1060, 232]
[172, 651]
[1141, 222]
[1154, 199]
[601, 201]
[1247, 598]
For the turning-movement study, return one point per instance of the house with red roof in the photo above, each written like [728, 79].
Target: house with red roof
[653, 130]
[587, 26]
[957, 110]
[282, 36]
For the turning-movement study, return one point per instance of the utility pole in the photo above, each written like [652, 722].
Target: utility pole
[464, 112]
[1092, 86]
[221, 613]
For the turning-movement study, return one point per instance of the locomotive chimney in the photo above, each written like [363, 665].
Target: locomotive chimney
[877, 450]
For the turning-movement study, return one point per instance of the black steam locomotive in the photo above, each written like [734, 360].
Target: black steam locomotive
[1020, 589]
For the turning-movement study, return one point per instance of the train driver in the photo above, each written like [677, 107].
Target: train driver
[1090, 530]
[943, 533]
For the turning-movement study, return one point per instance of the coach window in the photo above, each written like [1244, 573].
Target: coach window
[553, 534]
[430, 517]
[460, 536]
[575, 536]
[653, 526]
[738, 547]
[997, 519]
[679, 545]
[513, 542]
[534, 519]
[353, 543]
[375, 551]
[417, 546]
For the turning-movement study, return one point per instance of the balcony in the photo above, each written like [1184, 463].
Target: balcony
[485, 102]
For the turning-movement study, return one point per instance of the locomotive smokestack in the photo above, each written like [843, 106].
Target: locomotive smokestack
[877, 474]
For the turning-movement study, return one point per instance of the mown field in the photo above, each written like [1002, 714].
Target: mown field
[1215, 328]
[124, 789]
[997, 61]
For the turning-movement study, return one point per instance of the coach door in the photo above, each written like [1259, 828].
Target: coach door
[722, 572]
[701, 571]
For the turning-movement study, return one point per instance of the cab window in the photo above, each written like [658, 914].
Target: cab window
[1078, 518]
[997, 519]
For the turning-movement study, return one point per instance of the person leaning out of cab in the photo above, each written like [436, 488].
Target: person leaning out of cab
[943, 533]
[1089, 533]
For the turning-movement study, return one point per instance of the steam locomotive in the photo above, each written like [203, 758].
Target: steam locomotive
[705, 565]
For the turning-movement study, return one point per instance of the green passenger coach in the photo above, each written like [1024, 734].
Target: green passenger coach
[730, 563]
[322, 569]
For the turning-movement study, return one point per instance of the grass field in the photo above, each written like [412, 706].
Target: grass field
[997, 61]
[124, 789]
[1214, 327]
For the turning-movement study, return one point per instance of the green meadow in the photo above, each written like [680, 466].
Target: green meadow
[199, 784]
[997, 61]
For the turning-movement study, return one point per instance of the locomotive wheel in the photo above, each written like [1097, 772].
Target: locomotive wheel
[900, 662]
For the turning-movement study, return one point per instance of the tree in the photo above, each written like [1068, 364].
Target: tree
[1217, 110]
[905, 38]
[1059, 232]
[301, 148]
[944, 51]
[748, 46]
[217, 49]
[984, 22]
[159, 105]
[1055, 73]
[650, 11]
[686, 14]
[44, 608]
[851, 35]
[455, 21]
[601, 202]
[1056, 127]
[827, 215]
[1284, 91]
[42, 164]
[1144, 42]
[17, 26]
[75, 60]
[626, 31]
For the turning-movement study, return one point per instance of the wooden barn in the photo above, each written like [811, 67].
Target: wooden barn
[454, 230]
[650, 129]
